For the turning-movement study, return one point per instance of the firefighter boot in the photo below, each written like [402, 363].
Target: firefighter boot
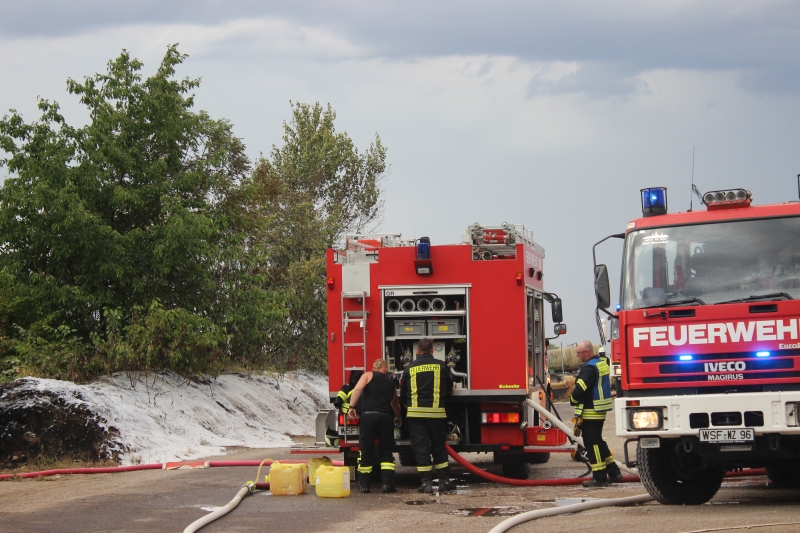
[445, 483]
[599, 479]
[364, 481]
[427, 482]
[614, 473]
[387, 481]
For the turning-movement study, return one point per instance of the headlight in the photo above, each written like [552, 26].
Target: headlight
[646, 419]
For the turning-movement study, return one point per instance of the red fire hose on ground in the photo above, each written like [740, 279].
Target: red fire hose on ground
[561, 481]
[152, 466]
[520, 482]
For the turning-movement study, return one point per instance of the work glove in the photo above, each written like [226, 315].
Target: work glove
[578, 421]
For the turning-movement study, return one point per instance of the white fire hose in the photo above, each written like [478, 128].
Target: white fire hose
[505, 525]
[222, 511]
[568, 430]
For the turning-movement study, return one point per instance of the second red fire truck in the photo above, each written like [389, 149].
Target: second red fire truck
[482, 303]
[706, 342]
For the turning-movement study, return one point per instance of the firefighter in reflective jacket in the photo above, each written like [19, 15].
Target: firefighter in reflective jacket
[343, 397]
[592, 399]
[425, 384]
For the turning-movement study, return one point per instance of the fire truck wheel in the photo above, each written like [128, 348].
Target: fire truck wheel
[407, 459]
[673, 479]
[538, 458]
[516, 470]
[782, 475]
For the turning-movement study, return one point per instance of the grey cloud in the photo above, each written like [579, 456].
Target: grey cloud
[760, 39]
[599, 80]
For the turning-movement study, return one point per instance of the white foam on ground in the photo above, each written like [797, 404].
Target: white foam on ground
[174, 420]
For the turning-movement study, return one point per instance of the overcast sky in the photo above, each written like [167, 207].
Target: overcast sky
[548, 113]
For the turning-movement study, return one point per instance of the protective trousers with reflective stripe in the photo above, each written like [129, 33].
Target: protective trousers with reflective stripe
[599, 454]
[371, 427]
[428, 436]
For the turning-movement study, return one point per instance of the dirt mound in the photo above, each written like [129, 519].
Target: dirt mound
[40, 423]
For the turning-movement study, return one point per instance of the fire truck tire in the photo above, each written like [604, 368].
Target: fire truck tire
[538, 458]
[660, 475]
[407, 459]
[781, 475]
[516, 470]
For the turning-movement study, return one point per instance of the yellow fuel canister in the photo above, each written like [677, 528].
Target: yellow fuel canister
[287, 479]
[313, 464]
[333, 481]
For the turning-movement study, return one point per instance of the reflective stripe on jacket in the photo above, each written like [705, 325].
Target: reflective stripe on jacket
[426, 382]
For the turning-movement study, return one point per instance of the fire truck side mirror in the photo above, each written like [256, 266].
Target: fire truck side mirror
[558, 314]
[559, 329]
[602, 289]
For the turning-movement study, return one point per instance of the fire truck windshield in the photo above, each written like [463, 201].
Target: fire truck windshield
[712, 263]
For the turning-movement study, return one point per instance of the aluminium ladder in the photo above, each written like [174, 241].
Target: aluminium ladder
[349, 317]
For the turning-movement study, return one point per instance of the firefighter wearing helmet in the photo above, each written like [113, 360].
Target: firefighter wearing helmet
[592, 400]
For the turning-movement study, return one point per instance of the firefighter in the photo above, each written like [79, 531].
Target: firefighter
[378, 405]
[592, 399]
[424, 385]
[343, 397]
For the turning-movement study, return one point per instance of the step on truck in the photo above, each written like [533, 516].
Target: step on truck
[482, 304]
[705, 342]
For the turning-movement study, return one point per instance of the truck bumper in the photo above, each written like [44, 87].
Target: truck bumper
[765, 412]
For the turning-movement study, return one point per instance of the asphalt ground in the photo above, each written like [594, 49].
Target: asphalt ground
[164, 501]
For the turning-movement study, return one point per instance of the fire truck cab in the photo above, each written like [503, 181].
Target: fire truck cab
[481, 302]
[705, 342]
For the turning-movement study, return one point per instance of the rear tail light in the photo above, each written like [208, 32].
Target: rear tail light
[500, 418]
[344, 420]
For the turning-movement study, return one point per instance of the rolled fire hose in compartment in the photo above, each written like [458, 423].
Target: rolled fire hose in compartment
[393, 306]
[408, 305]
[437, 304]
[423, 304]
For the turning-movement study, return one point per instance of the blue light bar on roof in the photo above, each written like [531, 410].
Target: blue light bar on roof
[654, 201]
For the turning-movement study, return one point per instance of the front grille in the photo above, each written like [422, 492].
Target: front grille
[731, 418]
[753, 419]
[704, 377]
[752, 364]
[698, 420]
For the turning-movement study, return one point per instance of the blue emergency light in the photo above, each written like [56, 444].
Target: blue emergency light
[762, 354]
[423, 248]
[423, 264]
[654, 201]
[685, 357]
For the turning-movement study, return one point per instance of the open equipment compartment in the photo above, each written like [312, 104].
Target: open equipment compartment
[438, 312]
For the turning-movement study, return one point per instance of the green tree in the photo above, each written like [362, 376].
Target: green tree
[308, 193]
[143, 241]
[116, 235]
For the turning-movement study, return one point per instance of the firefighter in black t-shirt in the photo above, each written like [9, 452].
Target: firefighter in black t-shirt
[379, 410]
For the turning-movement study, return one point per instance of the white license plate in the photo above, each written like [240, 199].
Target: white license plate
[727, 436]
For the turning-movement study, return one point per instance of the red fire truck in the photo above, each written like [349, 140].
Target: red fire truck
[705, 342]
[481, 302]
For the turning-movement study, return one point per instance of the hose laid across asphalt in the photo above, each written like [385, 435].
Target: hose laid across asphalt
[151, 466]
[566, 429]
[505, 525]
[197, 524]
[520, 482]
